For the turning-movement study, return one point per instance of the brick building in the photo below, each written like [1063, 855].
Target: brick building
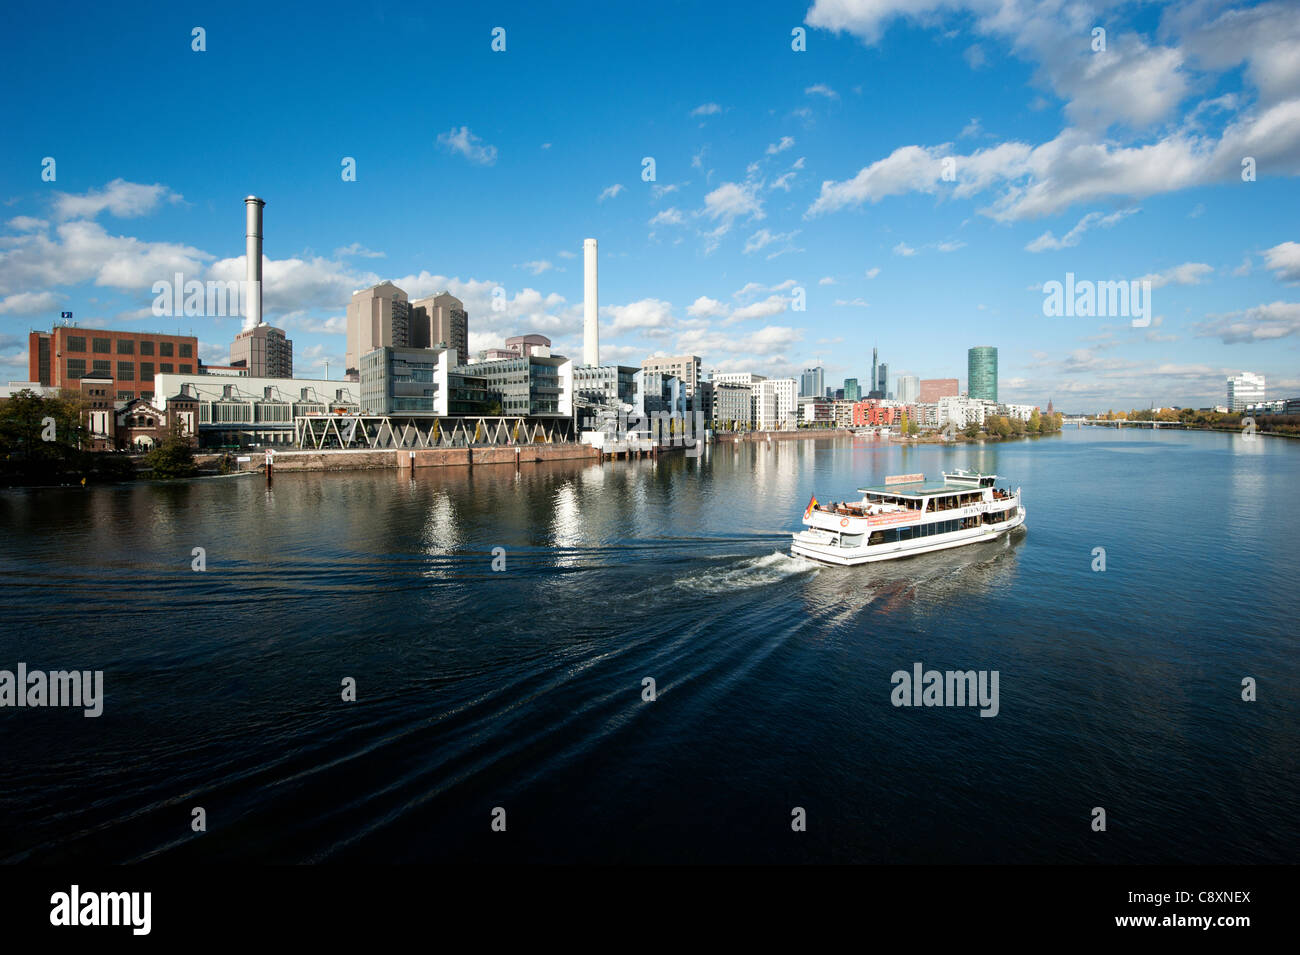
[60, 358]
[932, 389]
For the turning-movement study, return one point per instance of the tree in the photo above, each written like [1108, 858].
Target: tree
[1035, 422]
[41, 436]
[903, 427]
[972, 430]
[172, 457]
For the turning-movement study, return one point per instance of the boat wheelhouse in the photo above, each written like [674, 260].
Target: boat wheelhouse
[909, 515]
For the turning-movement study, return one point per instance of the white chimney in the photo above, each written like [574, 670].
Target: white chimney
[253, 251]
[590, 326]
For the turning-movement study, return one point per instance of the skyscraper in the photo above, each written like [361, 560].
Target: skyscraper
[377, 317]
[851, 391]
[909, 389]
[440, 321]
[813, 383]
[982, 373]
[882, 380]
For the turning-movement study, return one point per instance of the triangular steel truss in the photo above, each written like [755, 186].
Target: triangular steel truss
[383, 432]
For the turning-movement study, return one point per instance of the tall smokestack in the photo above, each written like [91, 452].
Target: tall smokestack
[253, 251]
[590, 326]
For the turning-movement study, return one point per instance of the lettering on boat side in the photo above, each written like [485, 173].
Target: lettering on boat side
[922, 687]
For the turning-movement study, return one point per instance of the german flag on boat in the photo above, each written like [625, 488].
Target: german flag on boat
[812, 502]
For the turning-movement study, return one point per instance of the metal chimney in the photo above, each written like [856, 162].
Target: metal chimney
[253, 251]
[590, 325]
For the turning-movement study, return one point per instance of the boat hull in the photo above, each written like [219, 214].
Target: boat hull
[807, 545]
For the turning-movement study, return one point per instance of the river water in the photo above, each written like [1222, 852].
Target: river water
[521, 689]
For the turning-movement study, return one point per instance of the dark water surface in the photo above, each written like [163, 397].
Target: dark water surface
[522, 689]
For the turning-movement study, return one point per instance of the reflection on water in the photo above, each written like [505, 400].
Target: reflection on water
[523, 687]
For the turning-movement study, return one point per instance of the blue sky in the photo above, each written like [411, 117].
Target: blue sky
[776, 170]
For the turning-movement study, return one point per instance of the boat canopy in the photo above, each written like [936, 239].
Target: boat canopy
[955, 482]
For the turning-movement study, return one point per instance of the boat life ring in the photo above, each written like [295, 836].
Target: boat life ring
[844, 522]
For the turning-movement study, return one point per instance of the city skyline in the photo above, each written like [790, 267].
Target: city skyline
[799, 179]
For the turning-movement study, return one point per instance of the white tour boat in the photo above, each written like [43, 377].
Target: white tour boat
[908, 515]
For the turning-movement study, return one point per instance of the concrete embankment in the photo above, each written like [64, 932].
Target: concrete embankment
[338, 460]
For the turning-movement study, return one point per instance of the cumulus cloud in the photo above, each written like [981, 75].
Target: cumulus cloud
[780, 147]
[609, 192]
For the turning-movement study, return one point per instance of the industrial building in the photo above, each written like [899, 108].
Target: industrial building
[63, 356]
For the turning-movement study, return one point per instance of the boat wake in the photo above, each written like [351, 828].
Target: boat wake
[752, 572]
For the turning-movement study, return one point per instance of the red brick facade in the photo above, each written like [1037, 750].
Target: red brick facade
[62, 357]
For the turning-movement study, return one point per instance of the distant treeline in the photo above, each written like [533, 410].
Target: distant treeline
[1193, 418]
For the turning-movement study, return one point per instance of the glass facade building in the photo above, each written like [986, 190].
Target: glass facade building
[982, 373]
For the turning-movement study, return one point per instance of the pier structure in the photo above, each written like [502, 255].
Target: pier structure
[422, 431]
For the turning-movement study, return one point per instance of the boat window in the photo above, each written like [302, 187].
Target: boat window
[851, 540]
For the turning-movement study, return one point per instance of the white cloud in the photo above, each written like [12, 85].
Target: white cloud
[706, 109]
[763, 238]
[27, 224]
[609, 192]
[857, 302]
[821, 89]
[29, 303]
[727, 203]
[1189, 273]
[826, 280]
[1261, 323]
[705, 307]
[537, 267]
[465, 143]
[904, 249]
[1048, 242]
[358, 250]
[669, 216]
[123, 199]
[785, 143]
[1284, 259]
[872, 272]
[647, 314]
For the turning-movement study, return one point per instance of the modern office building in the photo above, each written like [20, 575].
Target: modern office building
[932, 389]
[264, 351]
[530, 385]
[657, 393]
[851, 390]
[732, 406]
[377, 317]
[909, 389]
[775, 403]
[420, 381]
[440, 321]
[982, 373]
[610, 385]
[685, 367]
[1244, 389]
[882, 381]
[813, 383]
[63, 356]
